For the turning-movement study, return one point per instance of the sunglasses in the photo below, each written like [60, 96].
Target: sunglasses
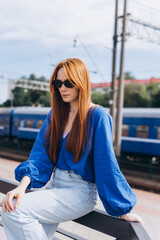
[58, 83]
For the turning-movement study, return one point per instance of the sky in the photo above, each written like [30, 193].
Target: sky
[37, 34]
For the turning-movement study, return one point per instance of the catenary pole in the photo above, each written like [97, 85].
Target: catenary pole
[113, 85]
[121, 86]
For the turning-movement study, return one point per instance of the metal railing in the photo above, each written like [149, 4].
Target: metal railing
[97, 220]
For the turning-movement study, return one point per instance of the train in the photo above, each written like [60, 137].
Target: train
[140, 129]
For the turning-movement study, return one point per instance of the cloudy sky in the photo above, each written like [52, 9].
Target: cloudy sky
[36, 34]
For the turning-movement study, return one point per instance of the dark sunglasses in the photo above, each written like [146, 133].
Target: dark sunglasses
[58, 83]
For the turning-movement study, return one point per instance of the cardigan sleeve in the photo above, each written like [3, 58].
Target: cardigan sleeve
[115, 193]
[38, 167]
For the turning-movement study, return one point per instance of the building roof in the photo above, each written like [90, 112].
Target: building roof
[127, 81]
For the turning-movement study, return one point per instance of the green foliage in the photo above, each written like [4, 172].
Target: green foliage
[7, 103]
[18, 94]
[42, 79]
[27, 100]
[156, 100]
[152, 88]
[34, 95]
[154, 94]
[97, 97]
[44, 99]
[29, 97]
[32, 77]
[129, 75]
[135, 95]
[100, 98]
[106, 98]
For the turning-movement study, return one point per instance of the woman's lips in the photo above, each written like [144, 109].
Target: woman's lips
[65, 95]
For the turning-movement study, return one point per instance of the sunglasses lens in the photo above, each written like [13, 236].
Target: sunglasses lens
[57, 83]
[68, 84]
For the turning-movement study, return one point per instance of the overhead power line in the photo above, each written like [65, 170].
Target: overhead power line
[144, 5]
[23, 59]
[89, 55]
[30, 58]
[142, 27]
[142, 22]
[147, 71]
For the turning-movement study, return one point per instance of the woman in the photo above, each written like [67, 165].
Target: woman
[75, 144]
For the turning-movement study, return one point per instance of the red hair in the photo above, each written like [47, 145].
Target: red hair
[77, 71]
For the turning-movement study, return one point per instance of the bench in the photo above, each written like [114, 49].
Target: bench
[97, 220]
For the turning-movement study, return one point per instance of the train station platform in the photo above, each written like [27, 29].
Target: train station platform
[148, 207]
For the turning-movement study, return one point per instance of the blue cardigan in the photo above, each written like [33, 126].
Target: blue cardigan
[98, 164]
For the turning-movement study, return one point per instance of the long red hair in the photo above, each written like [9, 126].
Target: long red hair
[75, 70]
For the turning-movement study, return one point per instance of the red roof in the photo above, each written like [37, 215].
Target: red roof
[100, 85]
[127, 81]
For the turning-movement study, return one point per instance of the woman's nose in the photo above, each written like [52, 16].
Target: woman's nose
[63, 87]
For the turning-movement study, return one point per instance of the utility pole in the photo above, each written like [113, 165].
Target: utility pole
[121, 86]
[113, 85]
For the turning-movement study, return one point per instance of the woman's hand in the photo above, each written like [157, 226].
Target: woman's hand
[17, 193]
[131, 217]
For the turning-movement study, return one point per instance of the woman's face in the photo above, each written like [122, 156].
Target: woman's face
[67, 94]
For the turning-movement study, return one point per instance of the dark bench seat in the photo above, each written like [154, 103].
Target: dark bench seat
[97, 220]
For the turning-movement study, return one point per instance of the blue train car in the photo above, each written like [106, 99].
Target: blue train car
[141, 131]
[5, 121]
[27, 121]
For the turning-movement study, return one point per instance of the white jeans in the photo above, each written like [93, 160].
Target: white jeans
[66, 197]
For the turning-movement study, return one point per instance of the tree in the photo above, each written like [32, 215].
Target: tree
[44, 100]
[135, 95]
[153, 93]
[42, 79]
[7, 103]
[128, 75]
[18, 96]
[27, 100]
[156, 100]
[34, 95]
[97, 98]
[32, 77]
[100, 98]
[152, 88]
[106, 98]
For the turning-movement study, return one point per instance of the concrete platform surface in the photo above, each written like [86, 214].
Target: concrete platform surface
[148, 207]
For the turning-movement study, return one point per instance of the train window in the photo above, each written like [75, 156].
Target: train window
[16, 123]
[39, 123]
[22, 122]
[1, 121]
[158, 132]
[125, 130]
[6, 123]
[142, 131]
[29, 123]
